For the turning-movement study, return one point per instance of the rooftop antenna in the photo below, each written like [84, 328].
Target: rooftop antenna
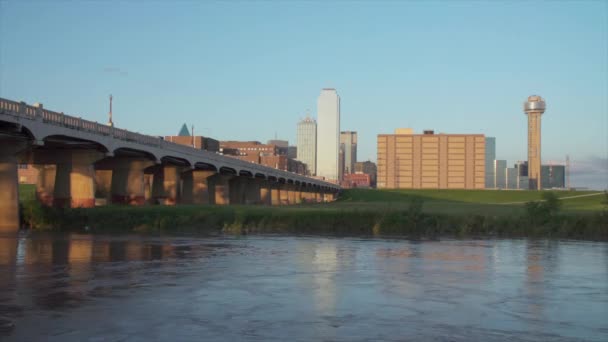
[110, 123]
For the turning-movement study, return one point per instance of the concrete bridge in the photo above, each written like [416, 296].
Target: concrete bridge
[83, 163]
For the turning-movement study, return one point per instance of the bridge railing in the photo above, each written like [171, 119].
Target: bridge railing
[21, 109]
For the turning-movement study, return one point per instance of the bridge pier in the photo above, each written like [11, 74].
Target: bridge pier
[253, 191]
[127, 186]
[265, 196]
[75, 179]
[103, 187]
[298, 194]
[166, 184]
[275, 194]
[9, 186]
[237, 190]
[291, 194]
[45, 184]
[196, 187]
[284, 194]
[221, 186]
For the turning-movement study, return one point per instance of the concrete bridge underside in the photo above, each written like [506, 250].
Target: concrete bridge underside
[83, 164]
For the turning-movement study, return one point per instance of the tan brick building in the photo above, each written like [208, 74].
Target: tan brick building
[431, 161]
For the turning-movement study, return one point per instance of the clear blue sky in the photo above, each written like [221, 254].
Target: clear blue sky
[243, 71]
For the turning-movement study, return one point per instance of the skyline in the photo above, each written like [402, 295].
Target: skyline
[462, 67]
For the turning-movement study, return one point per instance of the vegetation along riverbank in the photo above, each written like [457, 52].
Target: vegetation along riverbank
[411, 213]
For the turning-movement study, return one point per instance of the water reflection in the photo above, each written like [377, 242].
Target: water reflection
[317, 289]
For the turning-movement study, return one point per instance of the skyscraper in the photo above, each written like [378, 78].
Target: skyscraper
[348, 143]
[307, 144]
[328, 135]
[490, 156]
[534, 108]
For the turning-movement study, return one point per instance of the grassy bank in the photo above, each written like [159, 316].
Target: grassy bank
[416, 214]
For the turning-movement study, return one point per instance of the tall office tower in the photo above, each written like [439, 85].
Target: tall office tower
[500, 174]
[328, 135]
[534, 108]
[307, 144]
[490, 156]
[348, 143]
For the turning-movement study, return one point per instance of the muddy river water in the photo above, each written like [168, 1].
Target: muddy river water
[283, 288]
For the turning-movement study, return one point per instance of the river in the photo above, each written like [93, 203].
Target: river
[281, 288]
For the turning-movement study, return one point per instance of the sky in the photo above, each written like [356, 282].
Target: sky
[241, 70]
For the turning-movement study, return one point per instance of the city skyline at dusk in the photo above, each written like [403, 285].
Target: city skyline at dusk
[463, 67]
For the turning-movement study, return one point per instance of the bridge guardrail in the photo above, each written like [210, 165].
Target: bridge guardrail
[21, 109]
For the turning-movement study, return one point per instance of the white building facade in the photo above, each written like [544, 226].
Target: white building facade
[307, 144]
[328, 135]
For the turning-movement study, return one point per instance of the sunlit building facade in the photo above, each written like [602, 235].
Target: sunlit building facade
[431, 161]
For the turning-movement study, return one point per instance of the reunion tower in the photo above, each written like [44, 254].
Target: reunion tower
[534, 108]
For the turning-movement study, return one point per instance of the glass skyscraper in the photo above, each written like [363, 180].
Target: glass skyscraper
[307, 144]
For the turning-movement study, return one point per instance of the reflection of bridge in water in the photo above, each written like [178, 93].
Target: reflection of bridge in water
[80, 161]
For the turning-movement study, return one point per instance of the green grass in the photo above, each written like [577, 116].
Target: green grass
[485, 202]
[358, 212]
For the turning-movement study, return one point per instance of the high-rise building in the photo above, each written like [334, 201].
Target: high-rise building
[500, 174]
[348, 144]
[534, 108]
[490, 157]
[433, 161]
[328, 135]
[553, 176]
[307, 144]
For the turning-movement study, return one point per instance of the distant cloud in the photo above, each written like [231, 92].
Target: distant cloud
[115, 70]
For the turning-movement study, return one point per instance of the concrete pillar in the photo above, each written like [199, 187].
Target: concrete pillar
[317, 196]
[253, 191]
[284, 194]
[45, 184]
[237, 190]
[148, 181]
[128, 185]
[275, 194]
[103, 187]
[298, 194]
[221, 186]
[291, 194]
[195, 187]
[166, 184]
[9, 186]
[265, 196]
[75, 179]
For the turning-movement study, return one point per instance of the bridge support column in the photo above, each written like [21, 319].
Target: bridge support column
[291, 194]
[221, 186]
[9, 186]
[103, 187]
[317, 198]
[253, 191]
[275, 194]
[166, 184]
[238, 187]
[128, 181]
[298, 194]
[196, 188]
[75, 179]
[45, 184]
[284, 194]
[265, 196]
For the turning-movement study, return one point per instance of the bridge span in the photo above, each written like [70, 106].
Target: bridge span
[83, 163]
